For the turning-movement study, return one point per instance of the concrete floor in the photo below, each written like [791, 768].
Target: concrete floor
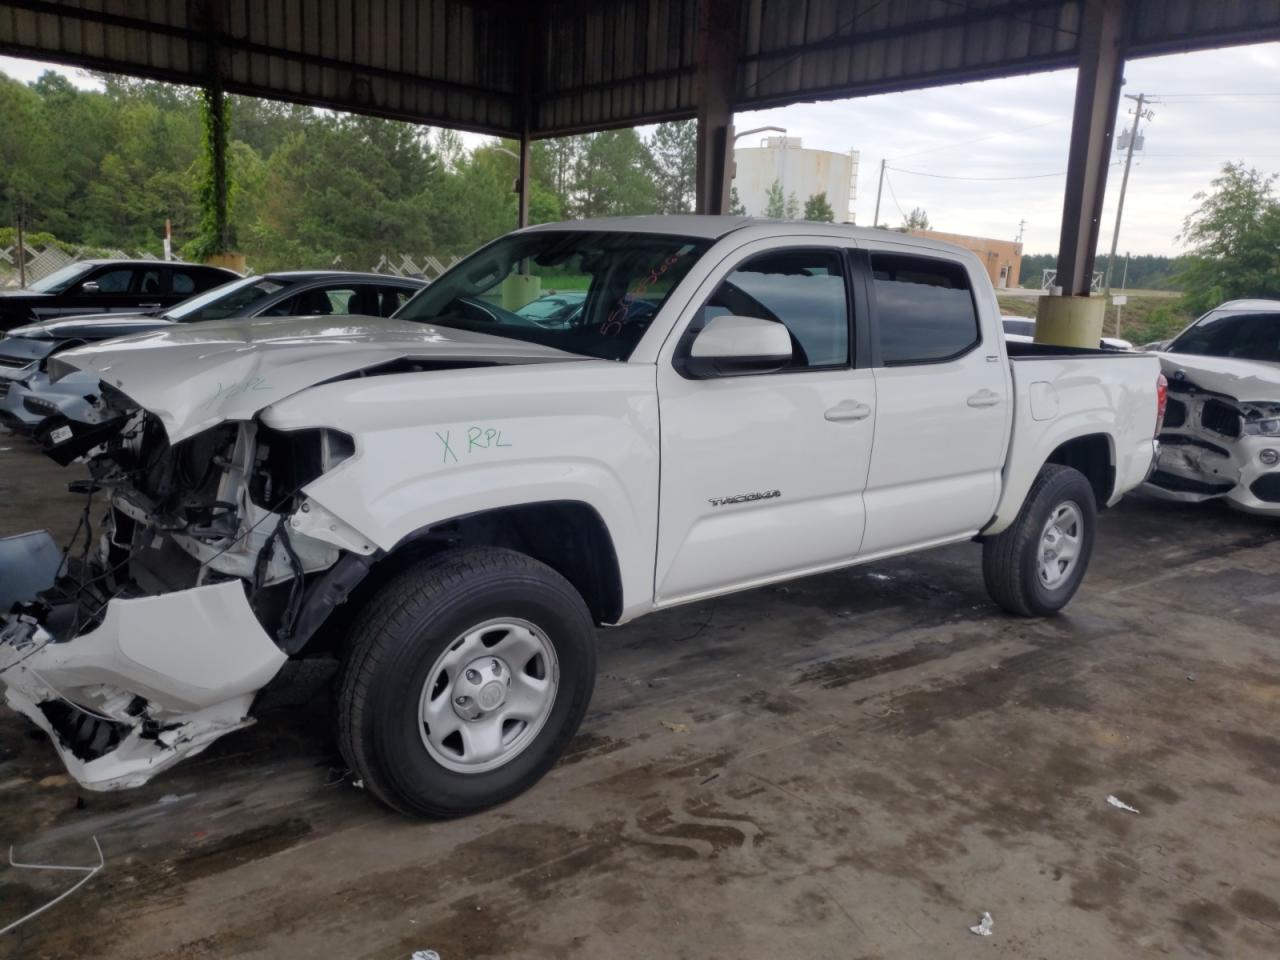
[854, 765]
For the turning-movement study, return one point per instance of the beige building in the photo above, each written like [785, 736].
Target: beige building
[1003, 258]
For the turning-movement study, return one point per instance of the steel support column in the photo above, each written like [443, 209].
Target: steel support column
[717, 79]
[522, 213]
[1102, 42]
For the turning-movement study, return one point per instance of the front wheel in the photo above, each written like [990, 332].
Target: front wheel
[467, 677]
[1035, 566]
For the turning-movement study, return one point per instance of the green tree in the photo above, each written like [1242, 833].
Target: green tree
[1234, 236]
[817, 208]
[792, 209]
[736, 206]
[775, 204]
[917, 219]
[674, 147]
[613, 176]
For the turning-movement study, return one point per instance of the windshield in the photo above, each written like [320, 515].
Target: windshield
[229, 300]
[62, 278]
[1242, 336]
[587, 292]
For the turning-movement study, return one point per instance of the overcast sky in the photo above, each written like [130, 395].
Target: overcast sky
[1217, 106]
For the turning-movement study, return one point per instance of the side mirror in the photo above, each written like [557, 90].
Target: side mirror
[730, 346]
[90, 286]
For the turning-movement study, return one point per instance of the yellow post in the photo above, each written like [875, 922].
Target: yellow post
[232, 261]
[1070, 321]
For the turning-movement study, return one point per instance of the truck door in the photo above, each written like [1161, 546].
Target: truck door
[943, 409]
[762, 474]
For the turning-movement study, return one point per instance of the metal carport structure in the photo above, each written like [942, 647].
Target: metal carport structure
[528, 70]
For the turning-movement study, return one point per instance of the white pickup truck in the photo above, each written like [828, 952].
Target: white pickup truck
[451, 500]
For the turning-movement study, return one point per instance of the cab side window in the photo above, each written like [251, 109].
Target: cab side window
[802, 289]
[113, 281]
[149, 282]
[925, 309]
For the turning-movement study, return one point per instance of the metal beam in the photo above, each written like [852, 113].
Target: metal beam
[717, 84]
[1101, 71]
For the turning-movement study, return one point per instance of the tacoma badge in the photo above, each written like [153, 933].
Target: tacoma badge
[745, 498]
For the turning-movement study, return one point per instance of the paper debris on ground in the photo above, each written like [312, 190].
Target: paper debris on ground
[425, 955]
[676, 727]
[983, 927]
[1121, 805]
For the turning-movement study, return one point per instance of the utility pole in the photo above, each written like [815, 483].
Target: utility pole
[22, 247]
[1022, 225]
[1138, 116]
[875, 221]
[1124, 283]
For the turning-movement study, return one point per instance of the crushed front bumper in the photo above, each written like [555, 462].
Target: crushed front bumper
[156, 679]
[1191, 469]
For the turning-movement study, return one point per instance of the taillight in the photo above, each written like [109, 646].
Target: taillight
[1162, 400]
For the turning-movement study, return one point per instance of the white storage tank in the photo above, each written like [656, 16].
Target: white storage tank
[801, 172]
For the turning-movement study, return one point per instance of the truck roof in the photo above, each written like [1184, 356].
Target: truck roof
[715, 227]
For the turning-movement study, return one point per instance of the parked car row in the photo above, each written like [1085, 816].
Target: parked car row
[108, 286]
[31, 401]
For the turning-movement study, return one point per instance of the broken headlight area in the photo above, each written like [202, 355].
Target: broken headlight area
[214, 506]
[150, 636]
[1260, 420]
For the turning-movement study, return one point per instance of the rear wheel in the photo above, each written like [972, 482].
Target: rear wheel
[1035, 566]
[467, 677]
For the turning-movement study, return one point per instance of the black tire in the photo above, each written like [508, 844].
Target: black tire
[396, 640]
[1010, 560]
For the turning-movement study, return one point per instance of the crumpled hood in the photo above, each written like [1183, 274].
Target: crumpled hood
[1250, 381]
[195, 376]
[92, 326]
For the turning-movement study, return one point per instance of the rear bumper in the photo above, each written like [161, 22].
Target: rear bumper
[155, 680]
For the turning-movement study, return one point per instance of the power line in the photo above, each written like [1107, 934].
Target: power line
[895, 198]
[1210, 94]
[947, 176]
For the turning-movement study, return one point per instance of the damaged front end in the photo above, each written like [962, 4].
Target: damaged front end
[1214, 445]
[207, 570]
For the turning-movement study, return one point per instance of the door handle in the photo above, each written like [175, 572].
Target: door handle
[984, 398]
[848, 410]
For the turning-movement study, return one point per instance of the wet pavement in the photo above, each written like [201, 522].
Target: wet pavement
[853, 765]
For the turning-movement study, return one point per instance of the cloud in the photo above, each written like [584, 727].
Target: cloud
[1020, 127]
[1215, 106]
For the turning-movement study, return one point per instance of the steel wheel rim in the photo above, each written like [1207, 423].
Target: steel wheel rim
[488, 695]
[1060, 541]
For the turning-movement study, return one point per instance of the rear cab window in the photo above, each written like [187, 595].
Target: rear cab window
[924, 308]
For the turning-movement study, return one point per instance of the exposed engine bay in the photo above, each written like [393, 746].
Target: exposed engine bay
[176, 600]
[1215, 445]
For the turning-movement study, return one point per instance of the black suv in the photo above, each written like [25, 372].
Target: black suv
[108, 286]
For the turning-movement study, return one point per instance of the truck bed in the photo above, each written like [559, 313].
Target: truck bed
[1018, 350]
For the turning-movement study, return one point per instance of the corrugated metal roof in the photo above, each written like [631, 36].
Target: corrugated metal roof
[568, 65]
